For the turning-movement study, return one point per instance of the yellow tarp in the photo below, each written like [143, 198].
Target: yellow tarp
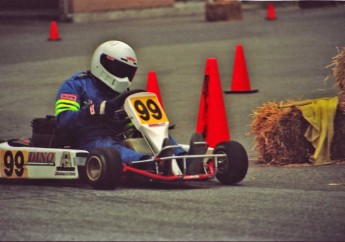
[320, 114]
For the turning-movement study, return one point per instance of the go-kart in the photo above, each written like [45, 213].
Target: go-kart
[48, 155]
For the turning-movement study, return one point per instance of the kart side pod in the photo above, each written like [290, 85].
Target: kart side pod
[25, 162]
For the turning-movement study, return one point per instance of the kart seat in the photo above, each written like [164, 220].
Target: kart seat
[19, 142]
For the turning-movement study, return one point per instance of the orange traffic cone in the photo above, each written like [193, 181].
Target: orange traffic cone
[54, 32]
[271, 15]
[152, 86]
[240, 80]
[212, 121]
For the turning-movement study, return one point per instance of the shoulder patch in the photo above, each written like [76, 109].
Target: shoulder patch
[67, 96]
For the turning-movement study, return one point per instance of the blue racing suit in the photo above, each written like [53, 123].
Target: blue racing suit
[72, 111]
[72, 107]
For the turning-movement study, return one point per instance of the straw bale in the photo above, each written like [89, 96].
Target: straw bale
[338, 142]
[341, 103]
[223, 10]
[338, 69]
[279, 132]
[279, 135]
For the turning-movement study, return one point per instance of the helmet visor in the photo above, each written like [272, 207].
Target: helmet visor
[117, 68]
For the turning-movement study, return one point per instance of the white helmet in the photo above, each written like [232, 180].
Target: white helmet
[115, 64]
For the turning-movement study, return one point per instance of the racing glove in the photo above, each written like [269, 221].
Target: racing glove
[109, 107]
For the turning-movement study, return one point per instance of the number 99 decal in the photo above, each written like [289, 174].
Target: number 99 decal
[148, 110]
[13, 164]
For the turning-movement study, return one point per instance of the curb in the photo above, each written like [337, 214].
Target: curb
[179, 9]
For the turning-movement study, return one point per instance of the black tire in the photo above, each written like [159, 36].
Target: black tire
[233, 168]
[103, 168]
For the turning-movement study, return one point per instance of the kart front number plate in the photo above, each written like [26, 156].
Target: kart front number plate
[148, 109]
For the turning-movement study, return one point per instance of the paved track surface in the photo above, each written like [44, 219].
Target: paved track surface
[286, 59]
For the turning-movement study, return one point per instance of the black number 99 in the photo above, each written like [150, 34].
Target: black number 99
[154, 109]
[14, 164]
[146, 111]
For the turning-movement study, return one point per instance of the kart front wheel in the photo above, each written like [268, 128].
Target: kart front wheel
[232, 168]
[103, 168]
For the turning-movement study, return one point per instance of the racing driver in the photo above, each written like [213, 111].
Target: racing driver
[85, 102]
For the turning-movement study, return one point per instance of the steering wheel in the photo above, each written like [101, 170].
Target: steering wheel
[122, 97]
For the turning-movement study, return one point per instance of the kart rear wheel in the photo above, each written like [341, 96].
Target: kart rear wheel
[232, 168]
[103, 168]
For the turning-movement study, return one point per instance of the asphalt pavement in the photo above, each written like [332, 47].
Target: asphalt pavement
[286, 59]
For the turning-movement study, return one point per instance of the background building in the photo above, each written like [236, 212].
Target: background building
[76, 10]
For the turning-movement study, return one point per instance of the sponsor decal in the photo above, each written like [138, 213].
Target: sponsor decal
[64, 173]
[131, 59]
[41, 157]
[68, 96]
[157, 125]
[65, 162]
